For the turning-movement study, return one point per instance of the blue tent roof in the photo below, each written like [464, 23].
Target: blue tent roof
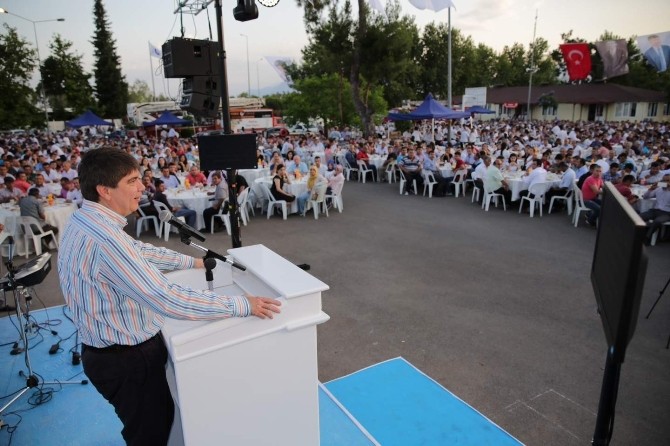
[87, 118]
[479, 109]
[429, 109]
[167, 118]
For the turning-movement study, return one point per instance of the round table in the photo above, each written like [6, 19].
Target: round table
[57, 215]
[516, 183]
[296, 187]
[196, 199]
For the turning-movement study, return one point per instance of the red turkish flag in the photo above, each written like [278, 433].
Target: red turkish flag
[577, 59]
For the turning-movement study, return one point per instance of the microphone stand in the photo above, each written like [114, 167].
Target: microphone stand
[209, 254]
[32, 378]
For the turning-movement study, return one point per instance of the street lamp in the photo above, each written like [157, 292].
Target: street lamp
[248, 72]
[39, 59]
[258, 79]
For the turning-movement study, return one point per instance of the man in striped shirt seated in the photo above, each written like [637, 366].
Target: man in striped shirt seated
[119, 298]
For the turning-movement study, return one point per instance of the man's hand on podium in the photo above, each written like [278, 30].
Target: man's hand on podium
[263, 307]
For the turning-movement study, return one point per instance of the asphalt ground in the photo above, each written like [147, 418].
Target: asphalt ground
[496, 306]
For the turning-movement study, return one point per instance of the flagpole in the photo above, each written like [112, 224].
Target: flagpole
[531, 69]
[151, 65]
[449, 59]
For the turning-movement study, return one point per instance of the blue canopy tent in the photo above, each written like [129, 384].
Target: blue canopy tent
[479, 109]
[167, 118]
[429, 109]
[86, 119]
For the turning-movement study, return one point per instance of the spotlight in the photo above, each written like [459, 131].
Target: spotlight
[245, 10]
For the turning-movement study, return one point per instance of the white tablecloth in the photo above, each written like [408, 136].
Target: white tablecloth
[57, 215]
[196, 199]
[643, 204]
[516, 184]
[252, 174]
[296, 187]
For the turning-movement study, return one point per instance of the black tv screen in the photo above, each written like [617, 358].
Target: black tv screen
[234, 151]
[619, 268]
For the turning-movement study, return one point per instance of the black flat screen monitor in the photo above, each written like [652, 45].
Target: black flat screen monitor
[619, 268]
[234, 151]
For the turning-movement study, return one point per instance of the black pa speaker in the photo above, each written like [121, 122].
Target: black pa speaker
[200, 104]
[245, 10]
[201, 84]
[189, 57]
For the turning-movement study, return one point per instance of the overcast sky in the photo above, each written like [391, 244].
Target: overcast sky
[279, 31]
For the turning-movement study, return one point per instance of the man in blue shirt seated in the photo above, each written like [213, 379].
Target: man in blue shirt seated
[297, 164]
[411, 168]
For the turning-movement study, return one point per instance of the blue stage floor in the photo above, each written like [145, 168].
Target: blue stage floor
[391, 403]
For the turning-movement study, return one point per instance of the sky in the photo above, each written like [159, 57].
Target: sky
[279, 31]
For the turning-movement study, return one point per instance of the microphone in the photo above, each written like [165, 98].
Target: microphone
[184, 229]
[210, 264]
[10, 248]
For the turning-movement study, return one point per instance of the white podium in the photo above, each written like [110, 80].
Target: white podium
[248, 381]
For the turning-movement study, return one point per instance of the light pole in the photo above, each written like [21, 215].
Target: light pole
[39, 59]
[248, 72]
[258, 78]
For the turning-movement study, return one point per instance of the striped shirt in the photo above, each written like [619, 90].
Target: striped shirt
[114, 287]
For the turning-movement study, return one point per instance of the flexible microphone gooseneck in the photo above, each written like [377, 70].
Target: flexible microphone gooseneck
[167, 217]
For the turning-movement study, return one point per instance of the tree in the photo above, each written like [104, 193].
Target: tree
[111, 89]
[65, 82]
[139, 92]
[369, 51]
[17, 62]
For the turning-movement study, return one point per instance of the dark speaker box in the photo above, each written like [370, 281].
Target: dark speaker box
[201, 104]
[189, 57]
[201, 84]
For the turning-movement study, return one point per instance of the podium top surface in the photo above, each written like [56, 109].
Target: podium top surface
[278, 273]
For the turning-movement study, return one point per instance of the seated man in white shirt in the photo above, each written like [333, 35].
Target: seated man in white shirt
[564, 188]
[653, 174]
[74, 195]
[534, 175]
[320, 167]
[660, 214]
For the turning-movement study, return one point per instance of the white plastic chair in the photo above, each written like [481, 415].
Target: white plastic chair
[141, 224]
[225, 218]
[363, 171]
[655, 235]
[579, 205]
[335, 197]
[567, 198]
[492, 196]
[537, 190]
[348, 168]
[475, 190]
[429, 182]
[272, 201]
[243, 200]
[403, 180]
[459, 182]
[164, 227]
[32, 230]
[320, 202]
[390, 172]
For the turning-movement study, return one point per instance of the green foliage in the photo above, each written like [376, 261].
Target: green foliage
[276, 103]
[17, 62]
[65, 82]
[139, 92]
[111, 89]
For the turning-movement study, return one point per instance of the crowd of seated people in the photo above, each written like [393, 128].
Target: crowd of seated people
[482, 149]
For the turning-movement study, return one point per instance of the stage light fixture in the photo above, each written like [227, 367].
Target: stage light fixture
[245, 10]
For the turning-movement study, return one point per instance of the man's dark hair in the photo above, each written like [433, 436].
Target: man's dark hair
[104, 167]
[593, 166]
[628, 179]
[33, 191]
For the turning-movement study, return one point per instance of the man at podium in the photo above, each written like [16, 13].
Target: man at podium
[119, 298]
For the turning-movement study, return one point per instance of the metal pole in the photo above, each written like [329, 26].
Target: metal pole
[225, 101]
[236, 240]
[531, 69]
[39, 70]
[248, 71]
[449, 61]
[258, 80]
[151, 67]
